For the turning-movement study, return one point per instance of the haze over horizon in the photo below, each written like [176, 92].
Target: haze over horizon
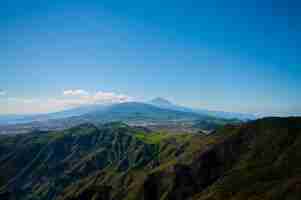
[218, 55]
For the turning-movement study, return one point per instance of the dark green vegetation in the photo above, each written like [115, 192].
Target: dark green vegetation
[256, 160]
[263, 161]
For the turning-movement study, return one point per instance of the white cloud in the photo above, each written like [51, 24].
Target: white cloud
[78, 92]
[110, 97]
[69, 99]
[2, 93]
[81, 97]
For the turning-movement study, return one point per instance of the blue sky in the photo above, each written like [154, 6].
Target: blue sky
[221, 55]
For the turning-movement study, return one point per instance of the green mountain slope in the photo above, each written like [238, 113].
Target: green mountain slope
[255, 160]
[258, 160]
[268, 164]
[40, 166]
[61, 165]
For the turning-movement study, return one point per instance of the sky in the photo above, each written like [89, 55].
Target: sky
[238, 56]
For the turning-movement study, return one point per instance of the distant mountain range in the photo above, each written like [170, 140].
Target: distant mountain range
[156, 109]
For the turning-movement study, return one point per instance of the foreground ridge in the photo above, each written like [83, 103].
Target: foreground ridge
[254, 160]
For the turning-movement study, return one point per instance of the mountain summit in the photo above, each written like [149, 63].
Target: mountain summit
[159, 101]
[166, 104]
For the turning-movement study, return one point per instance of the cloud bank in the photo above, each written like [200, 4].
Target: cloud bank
[100, 97]
[69, 99]
[78, 92]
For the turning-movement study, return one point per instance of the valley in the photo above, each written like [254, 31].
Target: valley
[173, 117]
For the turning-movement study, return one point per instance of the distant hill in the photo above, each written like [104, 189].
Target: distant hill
[161, 102]
[135, 113]
[138, 107]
